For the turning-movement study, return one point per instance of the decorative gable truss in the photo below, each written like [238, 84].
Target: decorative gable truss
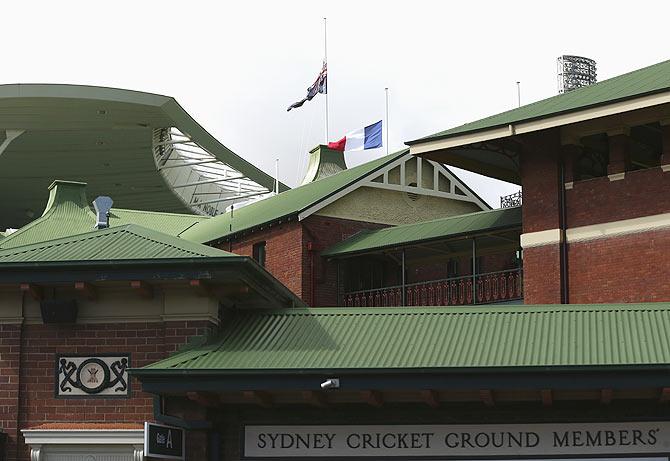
[412, 175]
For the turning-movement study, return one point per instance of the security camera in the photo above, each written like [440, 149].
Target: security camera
[331, 383]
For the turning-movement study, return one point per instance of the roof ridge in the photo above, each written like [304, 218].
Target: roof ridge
[162, 213]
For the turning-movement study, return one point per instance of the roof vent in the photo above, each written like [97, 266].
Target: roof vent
[323, 162]
[102, 206]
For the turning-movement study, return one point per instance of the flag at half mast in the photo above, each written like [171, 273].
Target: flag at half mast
[320, 85]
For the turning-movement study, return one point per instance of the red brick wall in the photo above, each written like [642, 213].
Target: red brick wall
[599, 200]
[323, 232]
[284, 252]
[541, 275]
[609, 270]
[10, 347]
[41, 344]
[289, 260]
[629, 268]
[539, 179]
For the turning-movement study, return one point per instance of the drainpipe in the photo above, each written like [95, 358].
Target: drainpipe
[310, 249]
[337, 284]
[474, 271]
[562, 223]
[404, 298]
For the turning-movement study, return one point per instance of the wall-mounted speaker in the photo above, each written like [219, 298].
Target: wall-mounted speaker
[59, 311]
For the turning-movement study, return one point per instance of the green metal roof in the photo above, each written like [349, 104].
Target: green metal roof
[122, 243]
[68, 213]
[471, 223]
[648, 80]
[283, 205]
[359, 339]
[102, 136]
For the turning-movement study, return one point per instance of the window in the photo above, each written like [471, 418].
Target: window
[259, 253]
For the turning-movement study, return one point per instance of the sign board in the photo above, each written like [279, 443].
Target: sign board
[499, 440]
[164, 441]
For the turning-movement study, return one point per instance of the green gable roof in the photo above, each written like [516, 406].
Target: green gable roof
[645, 81]
[122, 243]
[68, 213]
[283, 205]
[359, 339]
[471, 223]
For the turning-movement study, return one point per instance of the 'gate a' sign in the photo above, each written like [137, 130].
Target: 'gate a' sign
[162, 441]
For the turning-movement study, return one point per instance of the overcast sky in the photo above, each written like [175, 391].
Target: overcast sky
[236, 66]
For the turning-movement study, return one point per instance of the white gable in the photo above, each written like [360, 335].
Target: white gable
[412, 175]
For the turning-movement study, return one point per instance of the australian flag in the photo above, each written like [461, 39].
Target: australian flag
[320, 85]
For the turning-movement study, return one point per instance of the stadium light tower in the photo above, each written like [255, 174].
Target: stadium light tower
[575, 72]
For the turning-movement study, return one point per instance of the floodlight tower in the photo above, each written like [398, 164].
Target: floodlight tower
[575, 72]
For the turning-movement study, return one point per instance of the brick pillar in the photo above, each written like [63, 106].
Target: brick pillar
[570, 153]
[541, 235]
[10, 351]
[665, 149]
[619, 153]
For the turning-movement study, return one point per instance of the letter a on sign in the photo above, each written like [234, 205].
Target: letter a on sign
[166, 442]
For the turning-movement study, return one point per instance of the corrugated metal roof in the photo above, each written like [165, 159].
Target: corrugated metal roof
[68, 213]
[648, 80]
[129, 242]
[432, 338]
[285, 204]
[444, 228]
[95, 134]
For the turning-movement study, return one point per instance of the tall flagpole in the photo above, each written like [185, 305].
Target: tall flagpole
[325, 61]
[386, 90]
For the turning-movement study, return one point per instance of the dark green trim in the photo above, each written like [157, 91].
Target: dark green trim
[218, 268]
[491, 379]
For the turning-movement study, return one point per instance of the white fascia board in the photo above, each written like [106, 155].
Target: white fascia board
[597, 231]
[83, 436]
[541, 124]
[618, 228]
[541, 238]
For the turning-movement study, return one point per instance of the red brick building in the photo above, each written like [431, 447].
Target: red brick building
[77, 312]
[593, 164]
[287, 233]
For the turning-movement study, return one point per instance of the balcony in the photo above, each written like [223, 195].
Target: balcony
[493, 287]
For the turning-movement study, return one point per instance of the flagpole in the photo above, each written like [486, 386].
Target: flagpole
[325, 60]
[276, 176]
[386, 90]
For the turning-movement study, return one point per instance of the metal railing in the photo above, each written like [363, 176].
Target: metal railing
[511, 200]
[486, 288]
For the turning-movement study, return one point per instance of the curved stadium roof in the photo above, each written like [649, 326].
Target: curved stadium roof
[143, 150]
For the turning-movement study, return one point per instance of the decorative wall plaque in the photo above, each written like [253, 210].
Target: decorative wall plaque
[92, 376]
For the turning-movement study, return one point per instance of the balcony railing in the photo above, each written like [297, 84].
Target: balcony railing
[486, 288]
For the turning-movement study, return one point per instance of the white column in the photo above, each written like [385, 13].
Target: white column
[36, 453]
